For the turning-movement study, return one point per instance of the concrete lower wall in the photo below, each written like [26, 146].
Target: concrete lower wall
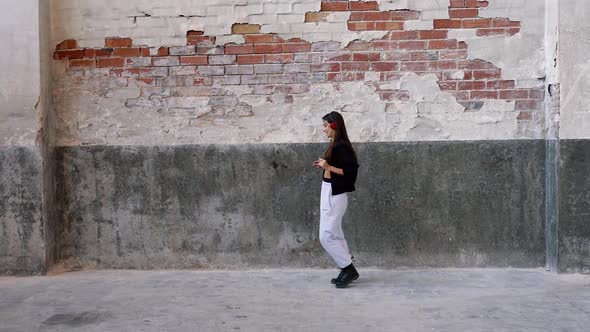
[417, 204]
[574, 206]
[22, 244]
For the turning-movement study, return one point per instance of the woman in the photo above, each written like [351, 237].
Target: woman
[339, 175]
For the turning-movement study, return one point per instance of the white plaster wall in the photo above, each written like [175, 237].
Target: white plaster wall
[89, 113]
[574, 62]
[19, 72]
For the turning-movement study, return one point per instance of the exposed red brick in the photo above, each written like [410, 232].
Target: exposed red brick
[491, 32]
[118, 42]
[463, 13]
[433, 34]
[366, 56]
[414, 45]
[384, 66]
[89, 53]
[110, 62]
[337, 56]
[502, 22]
[334, 6]
[296, 47]
[377, 16]
[442, 44]
[361, 26]
[457, 4]
[250, 59]
[163, 51]
[103, 52]
[501, 85]
[476, 3]
[259, 38]
[447, 65]
[194, 60]
[384, 45]
[83, 63]
[471, 85]
[238, 49]
[385, 26]
[127, 52]
[69, 54]
[486, 74]
[363, 5]
[447, 24]
[403, 35]
[68, 44]
[512, 31]
[477, 23]
[267, 48]
[199, 40]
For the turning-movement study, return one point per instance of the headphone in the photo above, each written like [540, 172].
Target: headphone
[333, 125]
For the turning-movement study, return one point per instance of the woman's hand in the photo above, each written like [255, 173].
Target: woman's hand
[321, 163]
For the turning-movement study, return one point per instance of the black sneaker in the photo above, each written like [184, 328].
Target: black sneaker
[349, 274]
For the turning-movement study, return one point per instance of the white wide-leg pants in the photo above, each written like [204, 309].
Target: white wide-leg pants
[332, 209]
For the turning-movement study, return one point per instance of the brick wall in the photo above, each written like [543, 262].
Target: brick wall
[418, 79]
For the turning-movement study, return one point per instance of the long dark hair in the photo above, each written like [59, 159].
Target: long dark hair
[340, 137]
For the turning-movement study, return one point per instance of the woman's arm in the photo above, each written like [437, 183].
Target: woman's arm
[335, 170]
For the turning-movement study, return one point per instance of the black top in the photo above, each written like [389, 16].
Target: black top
[343, 157]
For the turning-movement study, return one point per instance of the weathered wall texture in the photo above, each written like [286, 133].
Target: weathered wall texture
[47, 136]
[476, 204]
[22, 245]
[252, 71]
[574, 187]
[574, 34]
[22, 242]
[139, 89]
[19, 74]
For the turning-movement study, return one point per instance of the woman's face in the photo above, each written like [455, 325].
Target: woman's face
[329, 131]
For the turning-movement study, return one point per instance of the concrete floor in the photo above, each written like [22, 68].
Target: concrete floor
[297, 300]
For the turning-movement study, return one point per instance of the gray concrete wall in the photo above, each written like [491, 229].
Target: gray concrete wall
[574, 207]
[574, 187]
[26, 161]
[22, 245]
[417, 204]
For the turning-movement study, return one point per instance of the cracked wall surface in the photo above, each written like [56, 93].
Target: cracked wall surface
[142, 72]
[20, 76]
